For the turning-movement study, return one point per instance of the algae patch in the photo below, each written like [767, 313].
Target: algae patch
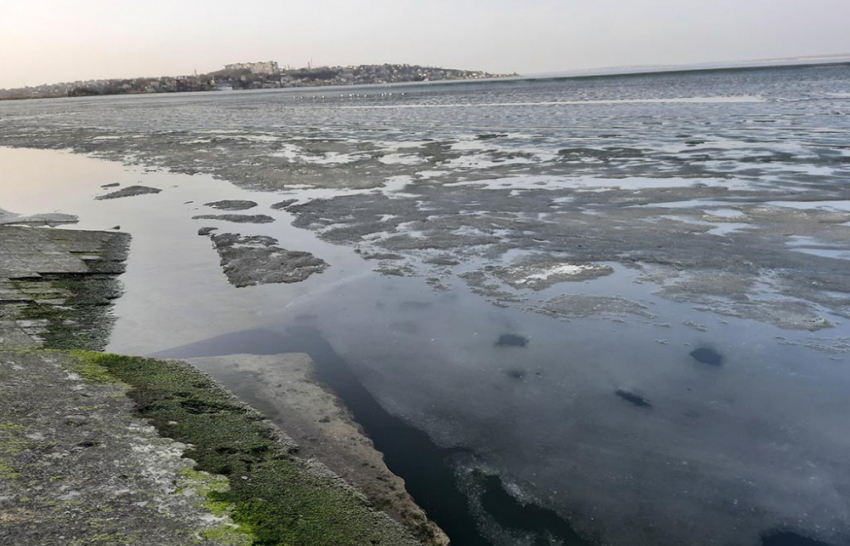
[274, 496]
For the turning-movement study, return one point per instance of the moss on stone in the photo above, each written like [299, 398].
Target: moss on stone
[205, 484]
[227, 535]
[11, 426]
[273, 497]
[89, 368]
[7, 471]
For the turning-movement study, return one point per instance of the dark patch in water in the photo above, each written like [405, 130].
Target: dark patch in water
[633, 398]
[516, 374]
[512, 340]
[707, 356]
[788, 538]
[545, 524]
[416, 305]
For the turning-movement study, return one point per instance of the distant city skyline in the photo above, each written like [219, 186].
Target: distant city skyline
[50, 41]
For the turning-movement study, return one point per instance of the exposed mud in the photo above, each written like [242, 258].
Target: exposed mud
[232, 204]
[538, 275]
[237, 218]
[724, 198]
[575, 306]
[256, 259]
[129, 191]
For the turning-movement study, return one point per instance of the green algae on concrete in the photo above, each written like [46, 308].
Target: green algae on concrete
[275, 497]
[78, 468]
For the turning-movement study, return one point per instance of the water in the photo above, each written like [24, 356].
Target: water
[697, 413]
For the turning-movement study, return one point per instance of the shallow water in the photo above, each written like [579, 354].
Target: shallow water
[663, 422]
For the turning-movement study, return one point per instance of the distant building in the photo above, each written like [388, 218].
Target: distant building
[265, 67]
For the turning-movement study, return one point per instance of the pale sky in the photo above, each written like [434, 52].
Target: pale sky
[47, 41]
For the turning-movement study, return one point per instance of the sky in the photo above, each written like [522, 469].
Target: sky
[47, 41]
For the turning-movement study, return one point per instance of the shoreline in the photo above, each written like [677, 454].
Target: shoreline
[232, 444]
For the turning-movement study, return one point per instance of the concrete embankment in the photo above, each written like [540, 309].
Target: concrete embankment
[107, 449]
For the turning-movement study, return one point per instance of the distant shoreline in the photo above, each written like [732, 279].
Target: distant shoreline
[251, 76]
[515, 78]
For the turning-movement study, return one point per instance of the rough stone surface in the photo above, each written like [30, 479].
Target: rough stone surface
[57, 285]
[77, 469]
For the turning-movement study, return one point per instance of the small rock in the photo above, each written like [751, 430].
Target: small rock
[76, 420]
